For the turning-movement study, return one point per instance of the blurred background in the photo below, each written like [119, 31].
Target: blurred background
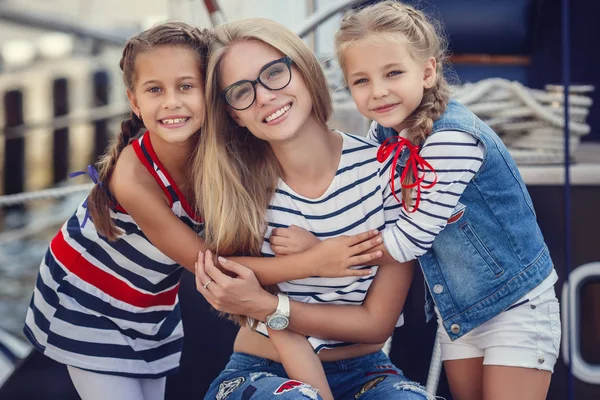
[62, 100]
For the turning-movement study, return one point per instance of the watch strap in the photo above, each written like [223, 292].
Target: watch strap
[283, 306]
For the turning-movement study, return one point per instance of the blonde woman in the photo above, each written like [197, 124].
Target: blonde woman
[267, 160]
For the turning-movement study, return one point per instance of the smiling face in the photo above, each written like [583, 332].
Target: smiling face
[275, 115]
[386, 82]
[168, 92]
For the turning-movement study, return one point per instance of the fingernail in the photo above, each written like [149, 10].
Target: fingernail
[379, 240]
[379, 253]
[375, 231]
[222, 260]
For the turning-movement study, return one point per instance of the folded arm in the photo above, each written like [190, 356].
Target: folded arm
[371, 322]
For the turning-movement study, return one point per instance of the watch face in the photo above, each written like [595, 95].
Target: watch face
[278, 322]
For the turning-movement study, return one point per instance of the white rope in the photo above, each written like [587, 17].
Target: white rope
[499, 89]
[435, 367]
[13, 199]
[512, 100]
[529, 121]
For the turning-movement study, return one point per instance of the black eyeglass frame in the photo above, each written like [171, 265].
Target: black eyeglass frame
[287, 60]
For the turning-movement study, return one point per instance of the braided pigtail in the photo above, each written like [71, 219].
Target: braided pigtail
[434, 103]
[100, 201]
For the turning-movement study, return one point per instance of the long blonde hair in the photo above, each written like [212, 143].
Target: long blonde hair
[236, 173]
[393, 21]
[166, 34]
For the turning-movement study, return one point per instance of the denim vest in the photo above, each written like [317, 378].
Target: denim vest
[491, 252]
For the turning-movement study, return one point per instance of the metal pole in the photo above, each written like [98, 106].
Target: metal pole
[566, 76]
[217, 17]
[311, 23]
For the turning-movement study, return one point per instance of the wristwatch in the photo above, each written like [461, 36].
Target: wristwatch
[280, 319]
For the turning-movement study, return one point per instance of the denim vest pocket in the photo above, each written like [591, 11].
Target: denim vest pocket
[491, 263]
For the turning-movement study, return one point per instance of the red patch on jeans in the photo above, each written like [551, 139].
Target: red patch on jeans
[456, 217]
[383, 371]
[457, 213]
[288, 385]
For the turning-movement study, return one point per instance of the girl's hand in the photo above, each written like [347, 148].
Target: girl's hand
[333, 257]
[241, 294]
[292, 240]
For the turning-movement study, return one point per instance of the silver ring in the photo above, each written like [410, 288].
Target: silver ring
[207, 283]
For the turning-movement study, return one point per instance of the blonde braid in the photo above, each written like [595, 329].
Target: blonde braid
[433, 105]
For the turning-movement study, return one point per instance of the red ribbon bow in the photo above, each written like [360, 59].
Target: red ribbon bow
[414, 160]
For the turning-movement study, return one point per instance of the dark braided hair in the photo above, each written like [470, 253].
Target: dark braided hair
[100, 200]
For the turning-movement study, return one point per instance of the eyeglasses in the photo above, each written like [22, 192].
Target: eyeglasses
[274, 76]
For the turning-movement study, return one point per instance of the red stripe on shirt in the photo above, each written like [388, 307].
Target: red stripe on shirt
[72, 260]
[188, 209]
[150, 168]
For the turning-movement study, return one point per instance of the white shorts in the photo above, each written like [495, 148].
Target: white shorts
[527, 336]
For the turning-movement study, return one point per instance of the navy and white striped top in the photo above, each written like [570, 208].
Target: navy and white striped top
[456, 157]
[111, 307]
[358, 199]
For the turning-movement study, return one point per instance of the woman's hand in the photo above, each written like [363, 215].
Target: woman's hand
[241, 294]
[334, 257]
[292, 240]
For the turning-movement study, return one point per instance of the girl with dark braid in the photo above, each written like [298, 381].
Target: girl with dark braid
[105, 302]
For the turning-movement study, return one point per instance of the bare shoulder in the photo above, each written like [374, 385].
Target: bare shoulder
[131, 178]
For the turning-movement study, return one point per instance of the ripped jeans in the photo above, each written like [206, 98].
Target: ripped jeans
[370, 377]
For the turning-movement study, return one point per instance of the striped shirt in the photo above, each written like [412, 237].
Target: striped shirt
[111, 307]
[358, 199]
[456, 157]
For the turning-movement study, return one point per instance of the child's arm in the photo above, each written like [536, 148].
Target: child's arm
[175, 239]
[292, 240]
[300, 361]
[456, 158]
[138, 193]
[296, 240]
[371, 323]
[329, 258]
